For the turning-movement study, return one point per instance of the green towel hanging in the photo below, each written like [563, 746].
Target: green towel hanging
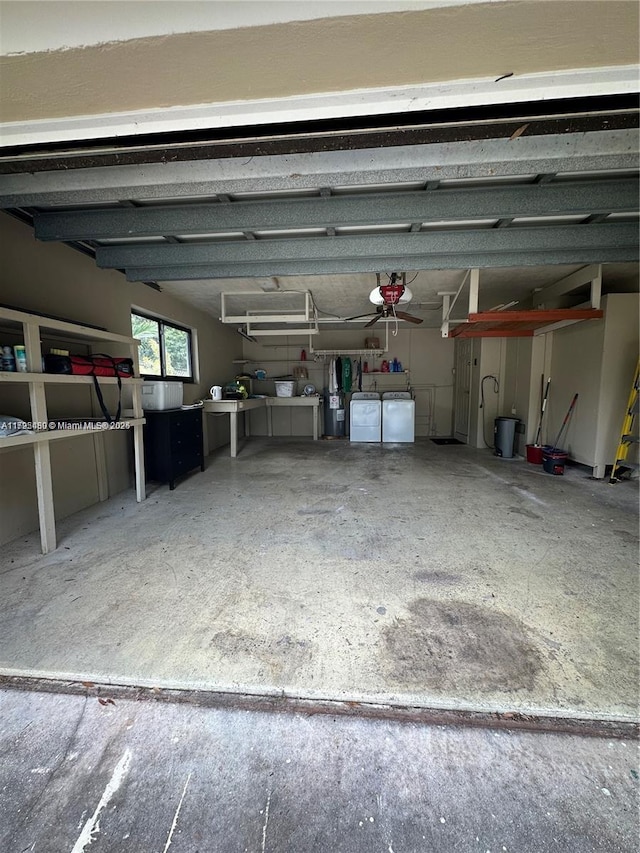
[346, 375]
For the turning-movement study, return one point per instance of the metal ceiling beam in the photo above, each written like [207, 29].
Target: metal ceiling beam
[622, 236]
[388, 264]
[573, 152]
[504, 203]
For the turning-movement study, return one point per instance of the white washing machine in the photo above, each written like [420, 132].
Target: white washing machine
[365, 416]
[398, 416]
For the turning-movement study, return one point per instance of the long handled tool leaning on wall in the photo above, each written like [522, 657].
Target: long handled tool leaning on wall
[565, 422]
[543, 406]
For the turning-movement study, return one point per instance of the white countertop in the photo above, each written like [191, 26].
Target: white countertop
[222, 406]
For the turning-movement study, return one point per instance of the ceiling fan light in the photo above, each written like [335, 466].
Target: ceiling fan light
[377, 299]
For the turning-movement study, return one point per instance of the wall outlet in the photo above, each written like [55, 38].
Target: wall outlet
[513, 410]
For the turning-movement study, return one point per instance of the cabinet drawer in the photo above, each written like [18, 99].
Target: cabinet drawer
[185, 440]
[174, 445]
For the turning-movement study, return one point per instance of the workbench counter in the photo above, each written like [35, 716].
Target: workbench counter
[234, 407]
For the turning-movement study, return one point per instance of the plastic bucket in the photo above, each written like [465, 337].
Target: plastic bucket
[553, 460]
[534, 454]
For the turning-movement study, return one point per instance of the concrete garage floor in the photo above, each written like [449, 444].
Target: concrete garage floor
[433, 576]
[77, 776]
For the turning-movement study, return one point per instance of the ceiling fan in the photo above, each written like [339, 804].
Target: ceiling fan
[386, 297]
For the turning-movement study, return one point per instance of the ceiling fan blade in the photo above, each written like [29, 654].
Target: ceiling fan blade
[360, 316]
[371, 322]
[402, 315]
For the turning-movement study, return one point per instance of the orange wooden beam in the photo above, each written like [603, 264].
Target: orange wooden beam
[542, 317]
[467, 331]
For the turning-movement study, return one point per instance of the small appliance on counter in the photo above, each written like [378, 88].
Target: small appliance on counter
[244, 381]
[234, 391]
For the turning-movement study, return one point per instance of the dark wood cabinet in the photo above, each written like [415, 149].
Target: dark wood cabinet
[173, 444]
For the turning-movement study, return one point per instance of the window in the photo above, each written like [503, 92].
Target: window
[165, 349]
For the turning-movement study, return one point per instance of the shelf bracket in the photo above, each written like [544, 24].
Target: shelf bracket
[448, 303]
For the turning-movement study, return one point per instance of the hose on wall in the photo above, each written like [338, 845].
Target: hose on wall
[496, 389]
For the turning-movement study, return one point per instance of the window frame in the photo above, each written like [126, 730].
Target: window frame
[162, 323]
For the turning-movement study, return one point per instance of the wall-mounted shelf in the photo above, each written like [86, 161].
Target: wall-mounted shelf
[64, 379]
[334, 353]
[273, 361]
[385, 373]
[522, 324]
[33, 327]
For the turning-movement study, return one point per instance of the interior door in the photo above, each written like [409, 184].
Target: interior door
[463, 389]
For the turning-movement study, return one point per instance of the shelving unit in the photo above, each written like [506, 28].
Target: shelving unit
[272, 361]
[32, 327]
[334, 353]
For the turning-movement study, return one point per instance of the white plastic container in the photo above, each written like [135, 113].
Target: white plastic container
[285, 388]
[158, 396]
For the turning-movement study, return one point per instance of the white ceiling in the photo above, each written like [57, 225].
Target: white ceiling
[348, 295]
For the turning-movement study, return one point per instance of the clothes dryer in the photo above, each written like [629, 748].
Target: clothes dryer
[398, 416]
[365, 416]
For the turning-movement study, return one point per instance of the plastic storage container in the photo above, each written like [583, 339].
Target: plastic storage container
[158, 396]
[285, 388]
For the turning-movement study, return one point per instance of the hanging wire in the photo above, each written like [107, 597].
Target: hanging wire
[313, 303]
[395, 316]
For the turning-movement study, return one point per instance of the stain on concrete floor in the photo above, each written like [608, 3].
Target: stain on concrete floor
[283, 656]
[453, 645]
[625, 536]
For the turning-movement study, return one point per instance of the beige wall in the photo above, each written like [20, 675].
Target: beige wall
[423, 352]
[480, 40]
[487, 359]
[517, 384]
[595, 359]
[54, 279]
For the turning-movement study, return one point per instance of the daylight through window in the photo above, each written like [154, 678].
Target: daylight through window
[165, 349]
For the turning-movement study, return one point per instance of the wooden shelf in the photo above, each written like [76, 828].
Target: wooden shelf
[64, 379]
[74, 330]
[31, 327]
[521, 324]
[98, 428]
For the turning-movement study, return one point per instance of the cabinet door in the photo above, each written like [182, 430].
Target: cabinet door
[156, 446]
